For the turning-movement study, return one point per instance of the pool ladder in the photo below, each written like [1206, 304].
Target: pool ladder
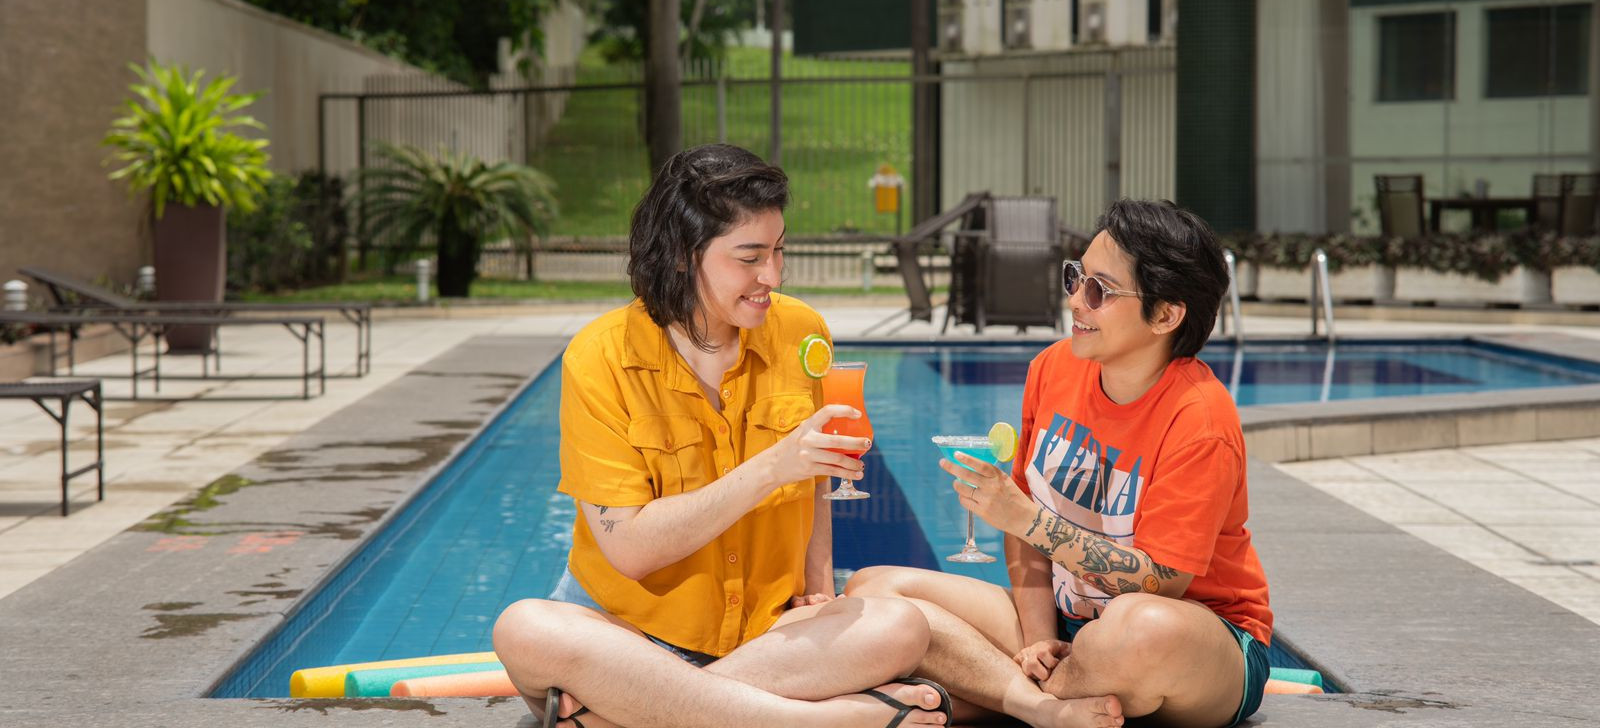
[1232, 302]
[1321, 293]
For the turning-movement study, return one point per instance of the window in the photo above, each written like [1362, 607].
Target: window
[1417, 57]
[1538, 51]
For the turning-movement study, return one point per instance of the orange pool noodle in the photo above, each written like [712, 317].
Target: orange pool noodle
[488, 684]
[1285, 687]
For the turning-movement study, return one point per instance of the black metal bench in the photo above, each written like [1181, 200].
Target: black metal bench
[65, 392]
[74, 295]
[137, 327]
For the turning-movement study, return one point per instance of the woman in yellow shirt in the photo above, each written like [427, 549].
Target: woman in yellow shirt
[700, 581]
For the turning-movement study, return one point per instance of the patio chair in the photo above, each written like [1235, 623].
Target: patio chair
[72, 294]
[63, 393]
[1578, 193]
[926, 233]
[1400, 204]
[1018, 265]
[1546, 202]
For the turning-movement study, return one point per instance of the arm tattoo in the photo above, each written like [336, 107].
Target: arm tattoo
[1103, 557]
[1061, 533]
[603, 509]
[1126, 587]
[608, 523]
[1037, 517]
[1165, 572]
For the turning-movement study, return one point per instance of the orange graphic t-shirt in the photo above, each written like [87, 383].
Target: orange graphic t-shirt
[1164, 474]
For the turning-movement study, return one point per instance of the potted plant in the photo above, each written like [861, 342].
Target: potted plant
[458, 201]
[177, 143]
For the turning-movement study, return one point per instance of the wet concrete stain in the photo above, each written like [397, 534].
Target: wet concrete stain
[454, 424]
[323, 705]
[170, 606]
[268, 585]
[489, 400]
[496, 700]
[190, 625]
[279, 594]
[1391, 703]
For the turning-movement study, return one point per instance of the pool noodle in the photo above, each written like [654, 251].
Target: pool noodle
[328, 682]
[490, 684]
[1286, 687]
[376, 683]
[1308, 677]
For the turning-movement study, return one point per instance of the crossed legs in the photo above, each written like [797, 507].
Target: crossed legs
[806, 669]
[1169, 659]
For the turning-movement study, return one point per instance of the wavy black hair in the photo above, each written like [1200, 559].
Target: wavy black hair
[1177, 259]
[698, 194]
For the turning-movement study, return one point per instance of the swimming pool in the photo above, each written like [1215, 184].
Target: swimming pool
[490, 529]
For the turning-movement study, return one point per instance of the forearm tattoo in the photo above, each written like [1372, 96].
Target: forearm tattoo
[608, 524]
[1099, 562]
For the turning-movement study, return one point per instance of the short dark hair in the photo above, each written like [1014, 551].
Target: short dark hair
[697, 195]
[1176, 259]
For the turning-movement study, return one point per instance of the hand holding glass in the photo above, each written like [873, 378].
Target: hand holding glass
[845, 383]
[979, 447]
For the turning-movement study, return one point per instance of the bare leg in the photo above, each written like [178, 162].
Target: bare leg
[975, 632]
[607, 666]
[1168, 658]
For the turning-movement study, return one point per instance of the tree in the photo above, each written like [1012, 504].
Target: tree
[624, 31]
[459, 39]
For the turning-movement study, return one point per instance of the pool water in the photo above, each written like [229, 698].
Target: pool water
[491, 528]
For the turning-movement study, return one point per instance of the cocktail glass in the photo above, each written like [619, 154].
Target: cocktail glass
[977, 446]
[846, 383]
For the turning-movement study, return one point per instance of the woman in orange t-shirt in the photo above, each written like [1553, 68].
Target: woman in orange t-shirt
[1132, 572]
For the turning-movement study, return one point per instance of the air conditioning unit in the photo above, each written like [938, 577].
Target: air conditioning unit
[951, 18]
[1016, 30]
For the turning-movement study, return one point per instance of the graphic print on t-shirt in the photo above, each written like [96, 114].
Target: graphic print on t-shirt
[1091, 485]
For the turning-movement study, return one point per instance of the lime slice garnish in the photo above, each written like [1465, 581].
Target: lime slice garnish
[1003, 441]
[816, 355]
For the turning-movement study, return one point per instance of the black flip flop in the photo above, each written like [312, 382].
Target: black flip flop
[552, 707]
[905, 710]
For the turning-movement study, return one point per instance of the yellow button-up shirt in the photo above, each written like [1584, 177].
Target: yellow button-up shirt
[636, 426]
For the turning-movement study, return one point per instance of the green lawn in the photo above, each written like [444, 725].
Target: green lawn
[403, 289]
[834, 137]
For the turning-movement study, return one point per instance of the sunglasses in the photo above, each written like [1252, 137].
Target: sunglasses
[1095, 290]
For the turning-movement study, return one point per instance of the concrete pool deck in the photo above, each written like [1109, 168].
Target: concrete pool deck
[131, 632]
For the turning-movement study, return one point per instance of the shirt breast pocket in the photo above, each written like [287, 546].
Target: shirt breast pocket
[673, 455]
[771, 419]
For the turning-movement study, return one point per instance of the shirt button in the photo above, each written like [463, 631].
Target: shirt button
[733, 558]
[733, 600]
[669, 443]
[783, 422]
[727, 394]
[722, 429]
[726, 470]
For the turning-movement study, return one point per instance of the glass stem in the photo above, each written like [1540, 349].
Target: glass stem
[972, 544]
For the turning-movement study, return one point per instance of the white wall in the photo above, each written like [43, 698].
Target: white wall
[1061, 149]
[1453, 143]
[292, 63]
[1289, 134]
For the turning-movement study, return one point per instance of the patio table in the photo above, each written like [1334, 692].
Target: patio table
[1485, 210]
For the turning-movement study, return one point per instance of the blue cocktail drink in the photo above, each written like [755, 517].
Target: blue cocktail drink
[977, 446]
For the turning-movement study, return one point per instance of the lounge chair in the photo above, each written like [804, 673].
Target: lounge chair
[137, 326]
[72, 294]
[64, 393]
[1400, 204]
[926, 234]
[1010, 274]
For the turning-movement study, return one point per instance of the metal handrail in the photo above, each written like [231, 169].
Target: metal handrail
[1321, 292]
[1232, 301]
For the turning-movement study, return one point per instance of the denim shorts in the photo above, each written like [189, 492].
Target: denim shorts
[570, 591]
[1256, 669]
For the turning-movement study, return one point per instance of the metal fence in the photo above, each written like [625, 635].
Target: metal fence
[1082, 127]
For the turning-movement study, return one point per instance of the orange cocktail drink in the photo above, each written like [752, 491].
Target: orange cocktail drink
[845, 384]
